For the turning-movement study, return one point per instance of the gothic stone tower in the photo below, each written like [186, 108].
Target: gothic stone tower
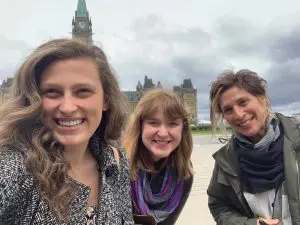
[82, 24]
[188, 95]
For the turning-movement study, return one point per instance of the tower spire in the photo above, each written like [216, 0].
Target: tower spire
[82, 23]
[81, 9]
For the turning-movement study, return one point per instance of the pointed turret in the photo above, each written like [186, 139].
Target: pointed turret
[81, 9]
[139, 86]
[158, 85]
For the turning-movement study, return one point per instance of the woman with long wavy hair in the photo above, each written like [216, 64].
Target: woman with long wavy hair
[59, 132]
[159, 143]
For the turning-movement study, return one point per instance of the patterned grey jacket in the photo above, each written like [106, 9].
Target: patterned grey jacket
[21, 203]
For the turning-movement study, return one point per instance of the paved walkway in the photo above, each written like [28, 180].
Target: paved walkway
[196, 211]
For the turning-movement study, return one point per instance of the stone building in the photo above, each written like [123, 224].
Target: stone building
[133, 97]
[188, 95]
[185, 91]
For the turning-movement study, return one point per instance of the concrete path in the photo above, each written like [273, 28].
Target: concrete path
[196, 211]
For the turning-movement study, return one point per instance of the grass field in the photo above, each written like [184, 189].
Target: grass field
[208, 132]
[201, 132]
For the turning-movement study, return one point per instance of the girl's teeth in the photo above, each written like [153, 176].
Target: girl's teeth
[69, 123]
[162, 141]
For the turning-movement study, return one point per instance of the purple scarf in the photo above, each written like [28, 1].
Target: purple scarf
[159, 205]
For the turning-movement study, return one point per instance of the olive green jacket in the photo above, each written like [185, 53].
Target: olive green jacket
[225, 197]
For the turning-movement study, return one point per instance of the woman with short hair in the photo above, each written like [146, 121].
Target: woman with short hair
[256, 176]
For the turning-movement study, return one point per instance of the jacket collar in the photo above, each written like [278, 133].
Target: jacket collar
[227, 159]
[104, 155]
[291, 129]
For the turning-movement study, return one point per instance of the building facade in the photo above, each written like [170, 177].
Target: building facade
[133, 97]
[185, 91]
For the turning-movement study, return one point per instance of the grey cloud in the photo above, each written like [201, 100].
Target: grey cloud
[131, 72]
[285, 46]
[12, 53]
[288, 109]
[201, 56]
[153, 28]
[6, 44]
[237, 37]
[279, 47]
[202, 71]
[284, 83]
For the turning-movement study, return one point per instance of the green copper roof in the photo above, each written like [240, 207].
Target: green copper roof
[81, 9]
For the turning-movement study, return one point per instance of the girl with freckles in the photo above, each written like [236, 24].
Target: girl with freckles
[59, 158]
[159, 144]
[256, 176]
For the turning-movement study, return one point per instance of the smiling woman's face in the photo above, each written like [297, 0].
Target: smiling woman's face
[72, 100]
[160, 135]
[244, 112]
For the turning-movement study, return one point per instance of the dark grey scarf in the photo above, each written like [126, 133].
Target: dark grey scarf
[261, 164]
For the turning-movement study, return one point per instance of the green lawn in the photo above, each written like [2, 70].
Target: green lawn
[201, 132]
[208, 132]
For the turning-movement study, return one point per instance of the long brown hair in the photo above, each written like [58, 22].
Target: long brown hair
[21, 124]
[173, 108]
[244, 79]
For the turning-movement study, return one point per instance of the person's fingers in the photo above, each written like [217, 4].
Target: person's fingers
[267, 222]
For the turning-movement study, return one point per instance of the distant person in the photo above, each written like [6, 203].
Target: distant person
[256, 176]
[59, 161]
[159, 143]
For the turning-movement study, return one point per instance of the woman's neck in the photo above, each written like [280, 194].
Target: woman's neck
[76, 155]
[160, 164]
[255, 139]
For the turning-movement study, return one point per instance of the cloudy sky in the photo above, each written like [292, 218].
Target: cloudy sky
[171, 40]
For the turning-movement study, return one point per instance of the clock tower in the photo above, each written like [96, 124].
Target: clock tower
[82, 24]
